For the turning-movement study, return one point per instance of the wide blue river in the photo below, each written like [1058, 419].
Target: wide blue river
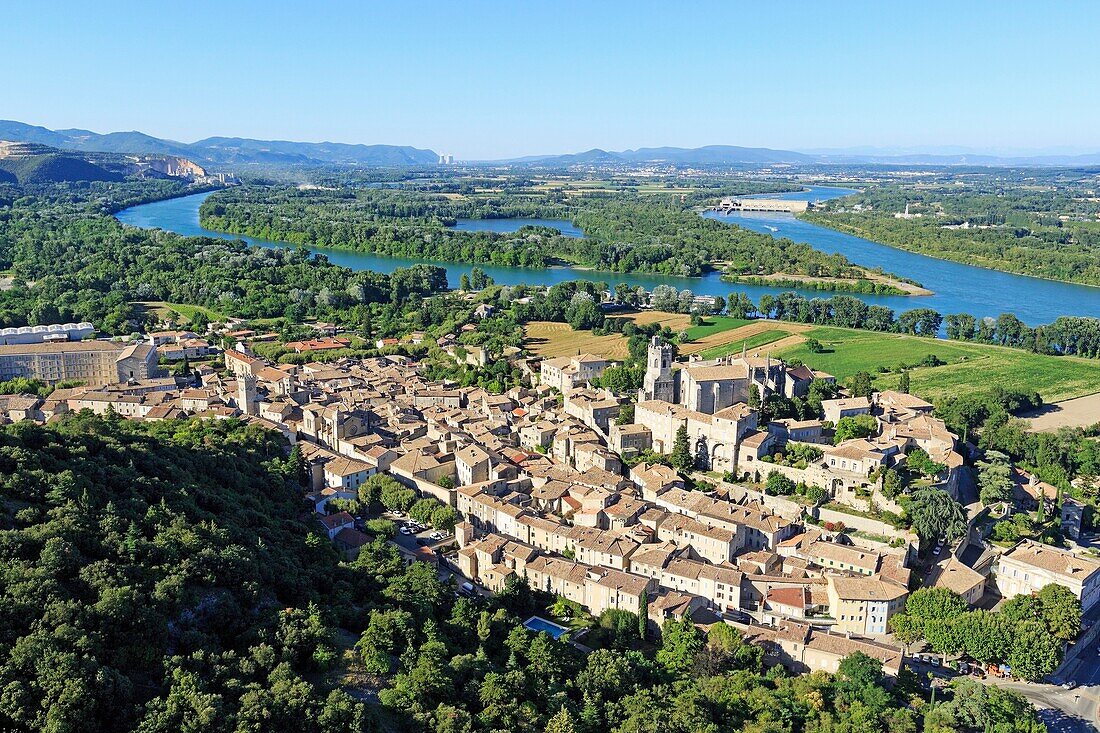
[957, 288]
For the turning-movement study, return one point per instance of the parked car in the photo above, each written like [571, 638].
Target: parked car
[405, 530]
[466, 589]
[1069, 685]
[436, 536]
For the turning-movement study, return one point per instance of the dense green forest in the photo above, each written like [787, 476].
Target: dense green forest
[52, 167]
[72, 261]
[624, 231]
[156, 578]
[161, 577]
[1047, 227]
[858, 285]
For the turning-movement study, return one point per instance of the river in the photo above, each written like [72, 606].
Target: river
[957, 288]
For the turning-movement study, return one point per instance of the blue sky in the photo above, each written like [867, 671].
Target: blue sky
[495, 79]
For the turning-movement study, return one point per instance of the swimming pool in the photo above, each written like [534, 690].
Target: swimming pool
[537, 623]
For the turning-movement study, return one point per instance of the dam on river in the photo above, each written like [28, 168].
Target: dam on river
[734, 205]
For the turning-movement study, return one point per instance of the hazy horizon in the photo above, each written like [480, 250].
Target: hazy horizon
[491, 81]
[863, 150]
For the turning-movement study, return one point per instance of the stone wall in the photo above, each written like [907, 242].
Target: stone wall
[866, 524]
[786, 508]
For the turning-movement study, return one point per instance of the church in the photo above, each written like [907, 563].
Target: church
[711, 398]
[710, 386]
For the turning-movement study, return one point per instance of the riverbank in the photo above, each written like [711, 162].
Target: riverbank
[957, 288]
[817, 218]
[888, 285]
[500, 240]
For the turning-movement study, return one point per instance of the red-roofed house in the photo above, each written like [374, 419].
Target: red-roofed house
[321, 344]
[333, 523]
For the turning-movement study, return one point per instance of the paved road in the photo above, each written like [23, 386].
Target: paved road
[1063, 711]
[1068, 711]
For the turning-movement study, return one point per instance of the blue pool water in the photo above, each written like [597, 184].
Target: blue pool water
[537, 623]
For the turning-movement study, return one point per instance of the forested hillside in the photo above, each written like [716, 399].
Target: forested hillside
[155, 577]
[52, 168]
[221, 150]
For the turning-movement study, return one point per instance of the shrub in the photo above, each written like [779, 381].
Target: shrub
[381, 528]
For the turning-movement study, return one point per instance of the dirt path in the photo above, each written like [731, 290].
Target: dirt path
[792, 340]
[1080, 412]
[740, 334]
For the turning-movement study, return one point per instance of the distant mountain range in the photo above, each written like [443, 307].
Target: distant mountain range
[706, 155]
[218, 151]
[731, 155]
[229, 151]
[962, 159]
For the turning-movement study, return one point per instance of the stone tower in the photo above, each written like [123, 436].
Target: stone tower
[659, 382]
[248, 399]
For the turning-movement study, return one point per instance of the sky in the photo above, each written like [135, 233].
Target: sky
[485, 80]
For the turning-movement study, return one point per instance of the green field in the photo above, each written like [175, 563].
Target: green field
[969, 367]
[752, 342]
[715, 324]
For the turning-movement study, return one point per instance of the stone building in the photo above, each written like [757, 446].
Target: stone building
[95, 363]
[659, 382]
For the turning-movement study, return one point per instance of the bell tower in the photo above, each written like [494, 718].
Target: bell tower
[659, 382]
[248, 399]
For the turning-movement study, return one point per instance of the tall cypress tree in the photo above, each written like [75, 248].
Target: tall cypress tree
[682, 459]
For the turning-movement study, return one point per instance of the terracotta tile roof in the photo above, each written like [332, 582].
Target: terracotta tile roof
[1053, 560]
